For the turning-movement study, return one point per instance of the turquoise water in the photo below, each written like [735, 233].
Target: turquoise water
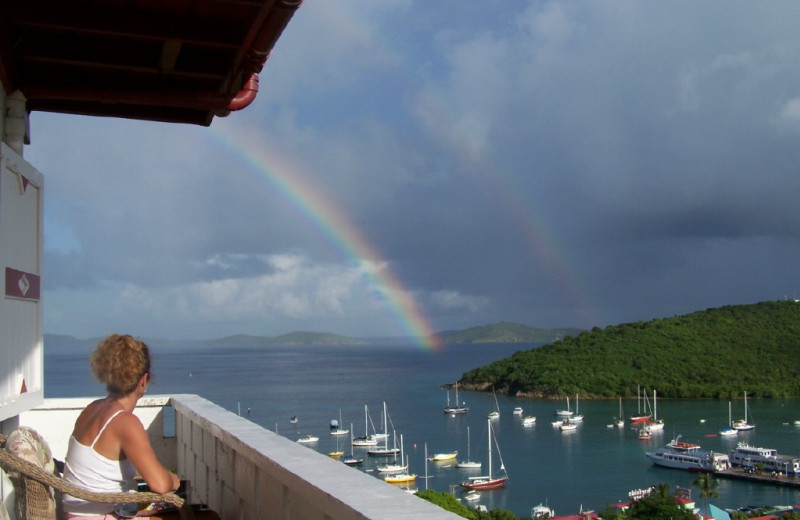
[589, 468]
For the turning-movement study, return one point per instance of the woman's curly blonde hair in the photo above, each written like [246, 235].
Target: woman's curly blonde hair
[119, 362]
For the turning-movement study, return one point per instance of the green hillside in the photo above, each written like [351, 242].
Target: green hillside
[504, 332]
[717, 353]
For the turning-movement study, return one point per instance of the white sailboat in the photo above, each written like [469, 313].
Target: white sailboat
[494, 414]
[366, 440]
[564, 413]
[395, 467]
[384, 431]
[742, 424]
[385, 450]
[656, 424]
[468, 464]
[576, 417]
[729, 431]
[620, 418]
[488, 481]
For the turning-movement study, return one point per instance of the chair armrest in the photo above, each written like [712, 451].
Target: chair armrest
[10, 462]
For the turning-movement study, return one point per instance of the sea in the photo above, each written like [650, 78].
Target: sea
[590, 468]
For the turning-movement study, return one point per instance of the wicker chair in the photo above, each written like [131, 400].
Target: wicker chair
[35, 489]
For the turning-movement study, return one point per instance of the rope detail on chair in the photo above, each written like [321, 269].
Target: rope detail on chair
[23, 473]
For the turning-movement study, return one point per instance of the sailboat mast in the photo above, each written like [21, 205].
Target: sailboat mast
[745, 407]
[490, 449]
[655, 406]
[638, 400]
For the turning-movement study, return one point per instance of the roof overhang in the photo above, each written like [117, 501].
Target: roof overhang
[182, 61]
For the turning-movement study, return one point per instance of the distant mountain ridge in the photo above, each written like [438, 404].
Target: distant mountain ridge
[501, 332]
[292, 338]
[505, 332]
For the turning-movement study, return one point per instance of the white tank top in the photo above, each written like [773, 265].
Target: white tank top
[88, 469]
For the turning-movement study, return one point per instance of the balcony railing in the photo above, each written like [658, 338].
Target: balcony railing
[242, 470]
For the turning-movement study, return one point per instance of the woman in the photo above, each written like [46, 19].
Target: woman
[109, 445]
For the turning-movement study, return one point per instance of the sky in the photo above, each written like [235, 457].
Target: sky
[410, 167]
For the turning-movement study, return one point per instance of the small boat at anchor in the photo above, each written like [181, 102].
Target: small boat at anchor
[488, 481]
[468, 464]
[440, 457]
[729, 431]
[457, 409]
[742, 424]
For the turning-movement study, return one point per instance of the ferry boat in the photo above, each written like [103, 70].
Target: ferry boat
[684, 455]
[767, 459]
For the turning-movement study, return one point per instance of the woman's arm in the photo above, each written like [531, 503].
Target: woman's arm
[135, 444]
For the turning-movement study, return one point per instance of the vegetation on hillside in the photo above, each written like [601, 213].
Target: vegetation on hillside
[450, 503]
[504, 332]
[717, 353]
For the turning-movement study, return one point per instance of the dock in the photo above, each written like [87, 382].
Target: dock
[763, 476]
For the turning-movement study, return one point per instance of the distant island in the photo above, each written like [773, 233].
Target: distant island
[293, 338]
[502, 332]
[714, 354]
[505, 332]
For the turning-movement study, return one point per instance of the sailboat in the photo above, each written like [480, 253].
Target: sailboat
[656, 424]
[488, 481]
[352, 460]
[494, 414]
[742, 424]
[394, 467]
[468, 464]
[385, 450]
[639, 418]
[384, 431]
[564, 413]
[402, 476]
[338, 452]
[728, 431]
[452, 410]
[336, 427]
[366, 439]
[576, 418]
[621, 418]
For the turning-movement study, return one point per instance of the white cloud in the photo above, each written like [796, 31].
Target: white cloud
[790, 112]
[454, 300]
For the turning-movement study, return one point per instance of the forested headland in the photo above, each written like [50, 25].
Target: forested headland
[716, 354]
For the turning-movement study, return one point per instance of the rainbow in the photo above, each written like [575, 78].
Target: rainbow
[333, 224]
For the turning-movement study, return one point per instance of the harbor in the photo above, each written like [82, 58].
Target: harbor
[594, 465]
[773, 479]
